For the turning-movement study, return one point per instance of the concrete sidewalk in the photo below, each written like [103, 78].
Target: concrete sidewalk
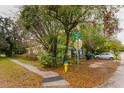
[51, 79]
[117, 80]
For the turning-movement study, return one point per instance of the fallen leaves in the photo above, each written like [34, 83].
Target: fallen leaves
[84, 75]
[87, 77]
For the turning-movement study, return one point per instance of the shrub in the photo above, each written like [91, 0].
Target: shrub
[8, 53]
[32, 57]
[48, 60]
[20, 50]
[45, 59]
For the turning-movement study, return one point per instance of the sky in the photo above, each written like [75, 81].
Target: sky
[121, 24]
[12, 10]
[9, 10]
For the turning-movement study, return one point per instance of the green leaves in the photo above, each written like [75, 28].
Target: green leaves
[10, 39]
[53, 26]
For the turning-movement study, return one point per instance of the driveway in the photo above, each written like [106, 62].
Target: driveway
[117, 80]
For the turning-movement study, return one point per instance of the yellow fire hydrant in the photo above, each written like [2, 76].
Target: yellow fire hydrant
[65, 66]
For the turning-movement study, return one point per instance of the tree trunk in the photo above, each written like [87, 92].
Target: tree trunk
[67, 45]
[55, 52]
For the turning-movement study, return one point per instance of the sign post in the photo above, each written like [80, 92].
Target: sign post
[77, 45]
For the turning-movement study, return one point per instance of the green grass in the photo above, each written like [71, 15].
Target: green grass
[15, 76]
[27, 61]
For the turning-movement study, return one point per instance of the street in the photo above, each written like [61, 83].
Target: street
[117, 80]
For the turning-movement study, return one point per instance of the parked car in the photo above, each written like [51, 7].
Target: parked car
[106, 55]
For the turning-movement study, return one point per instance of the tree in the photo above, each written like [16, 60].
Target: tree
[9, 36]
[107, 15]
[3, 43]
[44, 28]
[69, 17]
[115, 46]
[41, 21]
[72, 16]
[92, 37]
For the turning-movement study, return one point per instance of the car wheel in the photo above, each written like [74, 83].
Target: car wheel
[111, 58]
[97, 57]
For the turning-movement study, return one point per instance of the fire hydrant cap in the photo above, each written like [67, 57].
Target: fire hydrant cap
[65, 64]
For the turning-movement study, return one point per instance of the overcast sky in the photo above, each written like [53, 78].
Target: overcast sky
[121, 21]
[11, 11]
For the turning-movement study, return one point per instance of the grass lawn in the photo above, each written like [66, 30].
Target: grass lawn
[84, 76]
[13, 75]
[23, 59]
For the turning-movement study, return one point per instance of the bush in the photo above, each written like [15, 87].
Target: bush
[8, 53]
[32, 57]
[121, 49]
[45, 59]
[21, 51]
[48, 61]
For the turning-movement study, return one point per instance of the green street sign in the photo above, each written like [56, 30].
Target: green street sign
[76, 35]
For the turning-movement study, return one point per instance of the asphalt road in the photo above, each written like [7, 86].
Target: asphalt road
[117, 80]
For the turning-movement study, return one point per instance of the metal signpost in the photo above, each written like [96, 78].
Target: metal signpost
[77, 44]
